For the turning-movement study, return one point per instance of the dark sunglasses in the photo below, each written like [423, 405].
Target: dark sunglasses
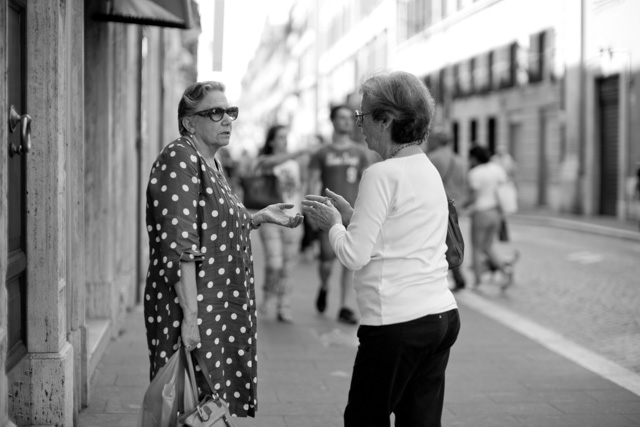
[360, 116]
[216, 114]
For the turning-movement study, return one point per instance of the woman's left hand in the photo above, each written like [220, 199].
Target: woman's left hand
[275, 214]
[321, 214]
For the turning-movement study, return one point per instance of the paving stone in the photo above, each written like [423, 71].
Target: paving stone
[264, 421]
[577, 420]
[300, 408]
[124, 380]
[529, 396]
[482, 420]
[313, 420]
[618, 395]
[598, 408]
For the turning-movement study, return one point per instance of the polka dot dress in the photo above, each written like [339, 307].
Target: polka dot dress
[193, 215]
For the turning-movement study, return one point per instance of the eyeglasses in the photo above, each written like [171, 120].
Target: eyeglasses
[359, 116]
[216, 114]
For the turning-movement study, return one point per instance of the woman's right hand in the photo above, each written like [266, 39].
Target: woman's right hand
[276, 214]
[190, 334]
[345, 209]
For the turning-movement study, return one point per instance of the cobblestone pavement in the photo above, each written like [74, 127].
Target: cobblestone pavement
[582, 285]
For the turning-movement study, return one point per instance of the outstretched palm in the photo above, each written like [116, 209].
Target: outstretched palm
[276, 214]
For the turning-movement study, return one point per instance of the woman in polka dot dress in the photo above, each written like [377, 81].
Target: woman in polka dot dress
[200, 283]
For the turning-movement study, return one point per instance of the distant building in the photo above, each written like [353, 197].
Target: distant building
[554, 81]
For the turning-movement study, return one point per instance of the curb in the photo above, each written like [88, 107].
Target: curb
[555, 342]
[579, 226]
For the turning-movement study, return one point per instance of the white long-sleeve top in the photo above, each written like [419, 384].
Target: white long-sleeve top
[395, 242]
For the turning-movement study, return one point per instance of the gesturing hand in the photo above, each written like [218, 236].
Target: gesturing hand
[345, 209]
[321, 212]
[332, 199]
[275, 214]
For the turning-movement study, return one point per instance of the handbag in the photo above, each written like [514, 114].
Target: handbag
[162, 400]
[507, 198]
[212, 411]
[455, 241]
[260, 189]
[503, 231]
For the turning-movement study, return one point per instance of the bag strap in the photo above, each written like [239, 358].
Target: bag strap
[496, 193]
[447, 175]
[192, 374]
[205, 371]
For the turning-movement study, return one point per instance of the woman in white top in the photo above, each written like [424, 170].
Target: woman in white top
[483, 181]
[394, 240]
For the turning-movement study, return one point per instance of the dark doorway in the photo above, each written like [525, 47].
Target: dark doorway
[16, 280]
[609, 114]
[473, 132]
[456, 137]
[491, 135]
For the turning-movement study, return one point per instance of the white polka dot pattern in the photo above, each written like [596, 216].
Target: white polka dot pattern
[192, 211]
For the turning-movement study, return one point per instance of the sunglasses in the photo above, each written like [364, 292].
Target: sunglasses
[359, 116]
[216, 114]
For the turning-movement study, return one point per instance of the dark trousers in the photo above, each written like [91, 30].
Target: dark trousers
[400, 369]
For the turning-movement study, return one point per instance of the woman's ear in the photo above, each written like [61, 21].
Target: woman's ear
[386, 121]
[188, 124]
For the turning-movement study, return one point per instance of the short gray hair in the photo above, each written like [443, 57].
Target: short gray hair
[406, 99]
[191, 98]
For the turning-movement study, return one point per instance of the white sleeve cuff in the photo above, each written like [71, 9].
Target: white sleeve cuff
[334, 232]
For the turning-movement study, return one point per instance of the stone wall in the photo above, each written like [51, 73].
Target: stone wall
[98, 122]
[41, 386]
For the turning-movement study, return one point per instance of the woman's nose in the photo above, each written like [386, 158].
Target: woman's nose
[226, 119]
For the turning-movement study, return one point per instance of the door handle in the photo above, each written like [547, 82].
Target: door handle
[24, 121]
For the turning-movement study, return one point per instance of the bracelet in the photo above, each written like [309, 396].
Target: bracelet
[252, 225]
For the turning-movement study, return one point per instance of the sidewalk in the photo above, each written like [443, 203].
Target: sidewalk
[606, 226]
[496, 377]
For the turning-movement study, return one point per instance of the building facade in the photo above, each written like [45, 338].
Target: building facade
[89, 104]
[554, 82]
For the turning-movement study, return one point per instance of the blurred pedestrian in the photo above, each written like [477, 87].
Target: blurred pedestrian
[338, 166]
[394, 240]
[504, 159]
[452, 171]
[281, 244]
[311, 234]
[483, 178]
[199, 286]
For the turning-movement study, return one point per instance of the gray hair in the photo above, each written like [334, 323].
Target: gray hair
[192, 96]
[406, 99]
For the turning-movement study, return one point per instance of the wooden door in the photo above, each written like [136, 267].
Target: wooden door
[16, 193]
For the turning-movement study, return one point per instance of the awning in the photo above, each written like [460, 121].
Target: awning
[162, 13]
